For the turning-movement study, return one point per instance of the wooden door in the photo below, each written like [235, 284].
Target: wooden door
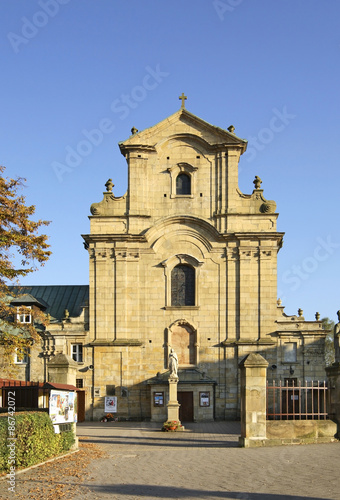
[81, 406]
[186, 410]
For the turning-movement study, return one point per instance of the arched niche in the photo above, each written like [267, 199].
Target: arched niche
[182, 336]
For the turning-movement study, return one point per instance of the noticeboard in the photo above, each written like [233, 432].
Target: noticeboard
[158, 398]
[205, 399]
[63, 406]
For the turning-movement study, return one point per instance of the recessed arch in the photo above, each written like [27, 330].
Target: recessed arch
[200, 144]
[201, 231]
[182, 336]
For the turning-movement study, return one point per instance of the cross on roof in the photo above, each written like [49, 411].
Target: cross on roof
[183, 98]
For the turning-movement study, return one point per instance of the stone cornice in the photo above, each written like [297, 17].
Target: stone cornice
[136, 147]
[260, 342]
[106, 238]
[117, 342]
[300, 329]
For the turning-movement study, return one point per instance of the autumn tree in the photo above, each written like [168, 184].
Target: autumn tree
[22, 250]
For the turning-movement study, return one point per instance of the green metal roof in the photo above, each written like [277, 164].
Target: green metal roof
[56, 298]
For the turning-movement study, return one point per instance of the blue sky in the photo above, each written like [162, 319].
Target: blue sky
[73, 67]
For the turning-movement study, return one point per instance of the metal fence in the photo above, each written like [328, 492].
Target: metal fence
[292, 400]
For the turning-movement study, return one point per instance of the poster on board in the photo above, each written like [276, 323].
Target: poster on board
[158, 398]
[63, 407]
[204, 398]
[110, 404]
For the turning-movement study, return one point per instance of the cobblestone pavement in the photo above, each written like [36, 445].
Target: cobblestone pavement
[204, 462]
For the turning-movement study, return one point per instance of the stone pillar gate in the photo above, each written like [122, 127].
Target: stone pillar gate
[333, 376]
[253, 400]
[62, 369]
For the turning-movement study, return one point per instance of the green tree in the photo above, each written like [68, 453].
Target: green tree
[22, 250]
[328, 324]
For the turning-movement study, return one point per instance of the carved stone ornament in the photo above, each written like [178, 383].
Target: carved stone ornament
[95, 209]
[109, 185]
[268, 207]
[257, 182]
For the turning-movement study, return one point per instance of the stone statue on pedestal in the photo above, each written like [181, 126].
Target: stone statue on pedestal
[173, 363]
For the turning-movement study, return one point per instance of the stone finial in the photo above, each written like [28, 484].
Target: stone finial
[231, 129]
[257, 182]
[134, 130]
[300, 313]
[317, 316]
[66, 314]
[279, 302]
[109, 185]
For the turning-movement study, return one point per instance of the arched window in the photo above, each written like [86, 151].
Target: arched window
[183, 184]
[183, 286]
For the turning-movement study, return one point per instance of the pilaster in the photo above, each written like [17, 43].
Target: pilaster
[249, 293]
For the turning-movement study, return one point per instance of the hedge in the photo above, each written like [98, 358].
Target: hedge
[35, 440]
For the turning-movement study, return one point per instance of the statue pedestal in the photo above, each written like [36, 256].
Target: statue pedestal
[173, 405]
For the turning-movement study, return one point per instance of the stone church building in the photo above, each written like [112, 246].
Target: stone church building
[183, 260]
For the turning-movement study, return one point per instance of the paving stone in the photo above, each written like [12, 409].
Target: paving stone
[204, 462]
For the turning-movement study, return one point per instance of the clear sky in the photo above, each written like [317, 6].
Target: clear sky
[79, 69]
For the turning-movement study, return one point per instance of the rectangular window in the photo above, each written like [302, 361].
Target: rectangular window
[24, 314]
[77, 352]
[79, 383]
[290, 352]
[20, 358]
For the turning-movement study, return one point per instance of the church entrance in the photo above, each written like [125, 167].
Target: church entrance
[186, 410]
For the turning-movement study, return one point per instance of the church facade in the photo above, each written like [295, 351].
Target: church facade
[186, 261]
[183, 261]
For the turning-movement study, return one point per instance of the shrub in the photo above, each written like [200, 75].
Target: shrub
[35, 441]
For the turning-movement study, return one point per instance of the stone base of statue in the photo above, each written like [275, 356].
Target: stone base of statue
[173, 423]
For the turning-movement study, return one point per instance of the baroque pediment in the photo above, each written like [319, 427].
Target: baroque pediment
[182, 125]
